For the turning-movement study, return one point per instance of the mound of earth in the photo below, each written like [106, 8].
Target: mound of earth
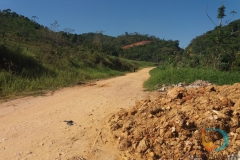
[171, 126]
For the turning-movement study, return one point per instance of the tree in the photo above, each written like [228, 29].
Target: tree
[68, 30]
[221, 14]
[33, 18]
[54, 26]
[232, 12]
[6, 11]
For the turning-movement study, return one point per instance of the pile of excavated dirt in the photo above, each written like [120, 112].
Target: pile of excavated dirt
[170, 126]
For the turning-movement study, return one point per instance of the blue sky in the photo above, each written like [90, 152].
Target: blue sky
[180, 20]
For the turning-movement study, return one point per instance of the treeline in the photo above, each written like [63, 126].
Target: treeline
[218, 48]
[156, 51]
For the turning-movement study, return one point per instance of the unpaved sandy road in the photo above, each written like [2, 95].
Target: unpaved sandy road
[33, 127]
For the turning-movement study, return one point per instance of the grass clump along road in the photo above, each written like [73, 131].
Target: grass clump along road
[172, 75]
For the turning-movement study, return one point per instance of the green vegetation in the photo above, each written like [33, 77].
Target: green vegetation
[213, 56]
[34, 59]
[156, 51]
[171, 75]
[218, 48]
[23, 73]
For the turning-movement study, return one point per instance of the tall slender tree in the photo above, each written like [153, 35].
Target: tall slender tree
[54, 26]
[221, 14]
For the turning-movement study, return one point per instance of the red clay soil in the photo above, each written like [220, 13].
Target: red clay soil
[136, 44]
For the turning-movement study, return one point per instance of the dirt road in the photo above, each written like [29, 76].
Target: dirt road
[34, 127]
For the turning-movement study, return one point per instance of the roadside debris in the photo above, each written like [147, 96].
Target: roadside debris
[70, 123]
[196, 84]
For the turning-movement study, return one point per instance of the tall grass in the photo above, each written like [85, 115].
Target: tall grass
[13, 85]
[68, 73]
[138, 64]
[171, 75]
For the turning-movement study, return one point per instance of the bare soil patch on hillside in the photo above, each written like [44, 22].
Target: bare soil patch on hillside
[136, 44]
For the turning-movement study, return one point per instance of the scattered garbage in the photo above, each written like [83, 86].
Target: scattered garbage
[196, 84]
[70, 123]
[77, 158]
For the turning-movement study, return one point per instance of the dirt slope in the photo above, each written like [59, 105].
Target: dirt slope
[136, 44]
[34, 127]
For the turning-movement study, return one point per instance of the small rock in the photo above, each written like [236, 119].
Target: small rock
[150, 116]
[124, 144]
[142, 146]
[176, 92]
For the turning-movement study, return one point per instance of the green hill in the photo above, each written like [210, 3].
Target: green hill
[34, 58]
[37, 58]
[157, 50]
[218, 48]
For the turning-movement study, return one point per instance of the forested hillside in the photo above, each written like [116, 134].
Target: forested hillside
[31, 52]
[37, 58]
[156, 51]
[22, 30]
[218, 48]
